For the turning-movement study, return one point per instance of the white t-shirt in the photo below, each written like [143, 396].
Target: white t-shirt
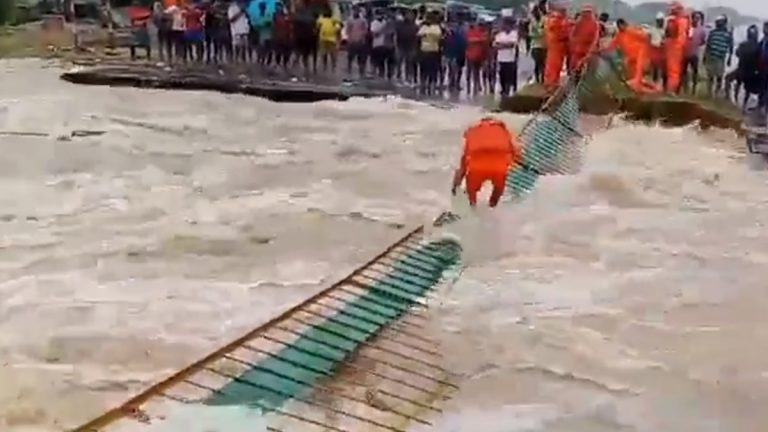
[506, 55]
[177, 18]
[657, 36]
[240, 26]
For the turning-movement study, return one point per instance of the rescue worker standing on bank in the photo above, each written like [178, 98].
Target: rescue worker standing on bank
[584, 37]
[635, 44]
[675, 40]
[658, 70]
[490, 150]
[556, 34]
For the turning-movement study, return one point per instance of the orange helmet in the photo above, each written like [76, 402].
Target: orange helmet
[587, 10]
[558, 7]
[676, 8]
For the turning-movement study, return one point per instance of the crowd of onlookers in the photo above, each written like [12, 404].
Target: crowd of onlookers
[423, 47]
[711, 51]
[418, 47]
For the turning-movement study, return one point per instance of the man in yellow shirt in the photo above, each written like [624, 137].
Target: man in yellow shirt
[328, 29]
[430, 35]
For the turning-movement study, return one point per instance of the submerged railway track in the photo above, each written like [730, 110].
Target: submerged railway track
[358, 355]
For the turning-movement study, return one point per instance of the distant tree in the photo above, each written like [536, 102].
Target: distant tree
[7, 12]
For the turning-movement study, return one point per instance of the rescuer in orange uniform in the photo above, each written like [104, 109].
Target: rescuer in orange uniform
[556, 34]
[678, 25]
[635, 43]
[490, 150]
[584, 36]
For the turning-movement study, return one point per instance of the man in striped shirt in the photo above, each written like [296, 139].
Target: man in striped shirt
[718, 51]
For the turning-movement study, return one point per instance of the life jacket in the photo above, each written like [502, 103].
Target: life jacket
[489, 147]
[556, 30]
[586, 31]
[678, 27]
[631, 40]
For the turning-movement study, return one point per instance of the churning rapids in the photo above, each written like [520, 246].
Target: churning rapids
[629, 297]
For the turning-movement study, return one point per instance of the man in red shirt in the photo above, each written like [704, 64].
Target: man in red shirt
[478, 44]
[195, 32]
[283, 37]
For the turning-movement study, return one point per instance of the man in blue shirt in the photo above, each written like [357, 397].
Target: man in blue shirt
[454, 49]
[718, 51]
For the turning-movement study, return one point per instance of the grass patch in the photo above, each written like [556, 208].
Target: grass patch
[533, 90]
[30, 41]
[719, 105]
[15, 43]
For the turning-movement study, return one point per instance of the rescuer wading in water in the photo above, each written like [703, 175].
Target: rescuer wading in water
[490, 150]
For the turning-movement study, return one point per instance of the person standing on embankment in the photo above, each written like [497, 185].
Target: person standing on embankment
[506, 42]
[696, 39]
[162, 22]
[430, 36]
[240, 29]
[282, 37]
[718, 52]
[478, 48]
[329, 30]
[583, 39]
[658, 72]
[407, 41]
[763, 96]
[356, 27]
[635, 45]
[538, 48]
[675, 41]
[455, 50]
[556, 33]
[194, 33]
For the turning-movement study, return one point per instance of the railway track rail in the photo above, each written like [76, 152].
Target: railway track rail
[313, 367]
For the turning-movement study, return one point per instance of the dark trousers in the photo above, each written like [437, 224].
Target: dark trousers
[283, 51]
[691, 72]
[508, 77]
[357, 53]
[383, 58]
[539, 56]
[179, 44]
[165, 44]
[430, 71]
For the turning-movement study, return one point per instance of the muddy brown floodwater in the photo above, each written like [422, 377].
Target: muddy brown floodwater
[627, 297]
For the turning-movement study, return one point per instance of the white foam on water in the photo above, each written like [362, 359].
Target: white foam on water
[634, 282]
[202, 418]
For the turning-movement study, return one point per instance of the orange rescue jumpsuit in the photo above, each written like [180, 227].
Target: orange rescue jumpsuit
[490, 149]
[634, 42]
[556, 32]
[586, 32]
[674, 45]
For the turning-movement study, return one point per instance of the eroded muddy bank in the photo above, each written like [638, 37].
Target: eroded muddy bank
[669, 111]
[273, 85]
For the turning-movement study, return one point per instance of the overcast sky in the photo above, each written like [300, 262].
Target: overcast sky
[757, 8]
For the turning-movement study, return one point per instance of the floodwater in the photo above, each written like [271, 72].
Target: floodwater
[629, 297]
